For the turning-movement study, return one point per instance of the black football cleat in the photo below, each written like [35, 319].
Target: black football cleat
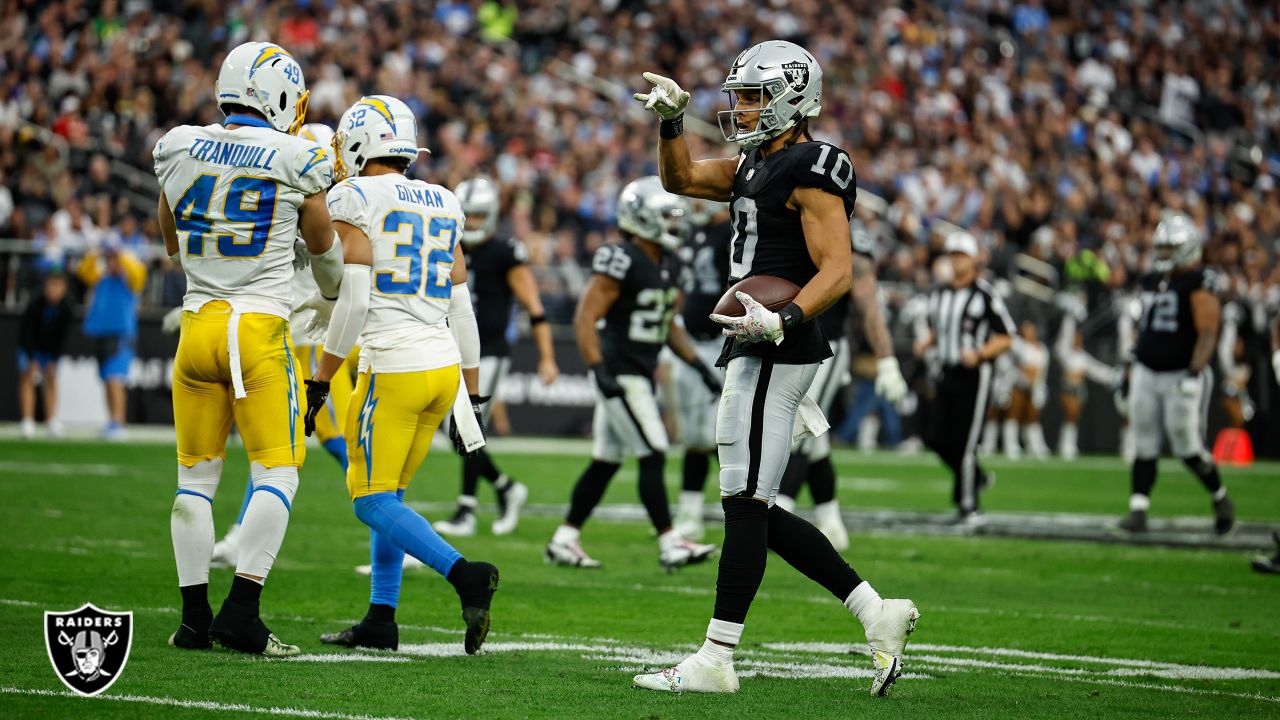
[1269, 565]
[1134, 522]
[476, 584]
[366, 634]
[237, 627]
[1224, 515]
[188, 638]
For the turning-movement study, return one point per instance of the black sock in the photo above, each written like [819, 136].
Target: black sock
[822, 480]
[1143, 476]
[485, 466]
[653, 491]
[245, 592]
[793, 476]
[696, 466]
[380, 614]
[196, 613]
[1206, 471]
[742, 557]
[588, 491]
[806, 549]
[470, 476]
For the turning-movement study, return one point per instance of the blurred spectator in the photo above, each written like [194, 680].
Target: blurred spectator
[116, 276]
[42, 332]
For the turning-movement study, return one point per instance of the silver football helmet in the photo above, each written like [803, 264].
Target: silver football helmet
[789, 81]
[647, 211]
[479, 198]
[1177, 243]
[702, 212]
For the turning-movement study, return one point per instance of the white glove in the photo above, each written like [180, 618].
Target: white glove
[1275, 364]
[318, 326]
[301, 256]
[1189, 386]
[758, 324]
[890, 384]
[171, 323]
[666, 98]
[1121, 399]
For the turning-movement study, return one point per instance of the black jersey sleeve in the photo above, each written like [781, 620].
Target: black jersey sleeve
[826, 167]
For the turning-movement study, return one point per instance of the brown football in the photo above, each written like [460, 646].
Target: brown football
[772, 292]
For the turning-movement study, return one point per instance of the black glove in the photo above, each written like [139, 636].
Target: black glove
[477, 407]
[605, 380]
[317, 394]
[710, 378]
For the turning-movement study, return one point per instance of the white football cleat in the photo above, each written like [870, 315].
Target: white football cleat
[674, 550]
[410, 563]
[28, 428]
[569, 554]
[887, 636]
[694, 674]
[506, 523]
[55, 429]
[689, 526]
[462, 524]
[831, 524]
[226, 552]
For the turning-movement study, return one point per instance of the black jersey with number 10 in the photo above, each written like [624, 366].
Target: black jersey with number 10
[768, 238]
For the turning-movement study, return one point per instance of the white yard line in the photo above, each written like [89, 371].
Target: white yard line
[1154, 686]
[198, 705]
[67, 469]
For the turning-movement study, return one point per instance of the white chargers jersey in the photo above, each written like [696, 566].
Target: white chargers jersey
[414, 228]
[235, 195]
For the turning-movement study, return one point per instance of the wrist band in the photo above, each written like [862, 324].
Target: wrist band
[792, 315]
[536, 320]
[671, 129]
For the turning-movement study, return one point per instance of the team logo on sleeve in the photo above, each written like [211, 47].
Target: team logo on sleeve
[797, 73]
[88, 646]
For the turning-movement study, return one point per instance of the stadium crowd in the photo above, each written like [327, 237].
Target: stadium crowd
[1050, 129]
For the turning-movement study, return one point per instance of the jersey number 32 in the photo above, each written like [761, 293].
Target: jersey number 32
[439, 260]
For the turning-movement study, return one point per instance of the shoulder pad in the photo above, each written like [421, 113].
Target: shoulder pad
[612, 260]
[519, 253]
[823, 166]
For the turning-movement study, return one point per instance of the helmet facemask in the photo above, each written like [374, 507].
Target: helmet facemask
[675, 227]
[767, 125]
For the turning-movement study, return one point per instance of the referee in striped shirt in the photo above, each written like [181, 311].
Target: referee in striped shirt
[969, 327]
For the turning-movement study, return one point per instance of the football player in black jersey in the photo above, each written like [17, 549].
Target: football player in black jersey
[790, 199]
[1169, 383]
[501, 274]
[705, 265]
[811, 460]
[624, 318]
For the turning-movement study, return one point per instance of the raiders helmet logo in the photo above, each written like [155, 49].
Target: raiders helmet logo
[88, 647]
[797, 73]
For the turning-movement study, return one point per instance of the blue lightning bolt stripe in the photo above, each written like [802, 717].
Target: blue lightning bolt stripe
[318, 155]
[294, 409]
[381, 107]
[364, 437]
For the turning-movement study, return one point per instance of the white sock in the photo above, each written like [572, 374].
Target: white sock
[715, 653]
[691, 503]
[1139, 503]
[1067, 439]
[722, 631]
[267, 519]
[864, 602]
[467, 501]
[828, 511]
[565, 535]
[669, 540]
[869, 433]
[1220, 493]
[191, 522]
[1011, 447]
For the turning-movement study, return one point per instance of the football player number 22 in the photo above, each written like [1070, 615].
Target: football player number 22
[439, 260]
[250, 201]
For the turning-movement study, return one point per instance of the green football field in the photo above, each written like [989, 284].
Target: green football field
[1011, 627]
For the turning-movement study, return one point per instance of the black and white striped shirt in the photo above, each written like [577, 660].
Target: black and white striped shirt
[965, 319]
